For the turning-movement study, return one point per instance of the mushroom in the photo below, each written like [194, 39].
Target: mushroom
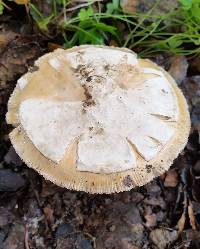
[98, 119]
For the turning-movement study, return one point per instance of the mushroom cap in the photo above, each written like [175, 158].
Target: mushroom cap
[98, 119]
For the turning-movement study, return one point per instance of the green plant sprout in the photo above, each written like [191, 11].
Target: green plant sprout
[177, 32]
[1, 7]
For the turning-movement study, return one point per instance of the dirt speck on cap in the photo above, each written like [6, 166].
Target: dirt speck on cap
[88, 101]
[100, 131]
[33, 69]
[128, 181]
[148, 168]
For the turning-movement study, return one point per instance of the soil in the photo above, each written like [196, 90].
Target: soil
[36, 214]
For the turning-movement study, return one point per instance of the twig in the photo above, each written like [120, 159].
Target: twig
[64, 10]
[81, 5]
[183, 244]
[180, 191]
[184, 185]
[35, 192]
[5, 5]
[26, 237]
[92, 238]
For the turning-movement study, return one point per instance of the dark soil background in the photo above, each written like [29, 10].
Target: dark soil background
[36, 214]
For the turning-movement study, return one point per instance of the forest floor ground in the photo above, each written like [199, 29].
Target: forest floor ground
[36, 214]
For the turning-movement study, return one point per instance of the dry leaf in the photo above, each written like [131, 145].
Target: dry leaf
[129, 6]
[178, 68]
[171, 179]
[192, 217]
[22, 1]
[17, 52]
[151, 220]
[52, 46]
[6, 37]
[49, 188]
[48, 212]
[162, 237]
[181, 223]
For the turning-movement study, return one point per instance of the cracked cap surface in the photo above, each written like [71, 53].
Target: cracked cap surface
[98, 119]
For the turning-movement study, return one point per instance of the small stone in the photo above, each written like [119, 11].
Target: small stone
[10, 181]
[136, 197]
[67, 237]
[63, 230]
[153, 188]
[132, 216]
[162, 238]
[112, 228]
[155, 201]
[160, 216]
[83, 243]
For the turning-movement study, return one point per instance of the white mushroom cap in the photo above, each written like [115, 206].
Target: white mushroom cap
[98, 119]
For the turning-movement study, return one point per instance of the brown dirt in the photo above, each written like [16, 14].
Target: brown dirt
[36, 214]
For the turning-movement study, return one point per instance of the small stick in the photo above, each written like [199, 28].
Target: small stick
[26, 237]
[81, 5]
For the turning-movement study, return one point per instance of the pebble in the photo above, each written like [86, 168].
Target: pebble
[64, 229]
[67, 237]
[10, 181]
[132, 216]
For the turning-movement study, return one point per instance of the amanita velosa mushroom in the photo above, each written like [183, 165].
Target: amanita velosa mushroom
[98, 119]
